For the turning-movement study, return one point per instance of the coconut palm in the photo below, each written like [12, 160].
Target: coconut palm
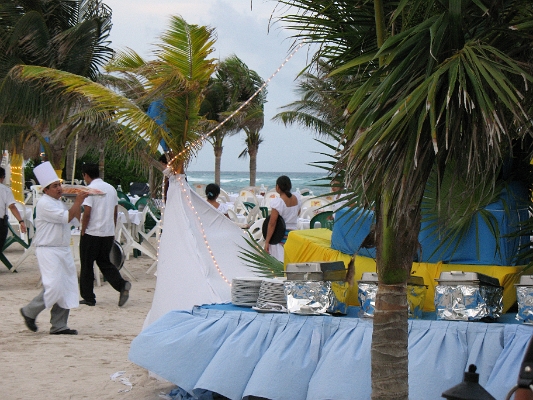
[435, 85]
[252, 141]
[230, 89]
[67, 35]
[177, 78]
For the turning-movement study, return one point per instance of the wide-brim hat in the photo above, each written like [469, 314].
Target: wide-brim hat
[45, 174]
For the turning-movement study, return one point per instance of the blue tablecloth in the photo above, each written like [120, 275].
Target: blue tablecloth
[237, 353]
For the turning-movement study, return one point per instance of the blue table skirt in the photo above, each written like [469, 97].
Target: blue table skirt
[237, 353]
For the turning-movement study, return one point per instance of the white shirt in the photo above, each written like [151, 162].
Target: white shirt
[223, 208]
[51, 223]
[102, 221]
[6, 199]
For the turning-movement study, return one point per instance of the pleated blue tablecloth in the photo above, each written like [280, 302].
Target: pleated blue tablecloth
[236, 353]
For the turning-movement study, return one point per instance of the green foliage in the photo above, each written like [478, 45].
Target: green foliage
[258, 259]
[117, 171]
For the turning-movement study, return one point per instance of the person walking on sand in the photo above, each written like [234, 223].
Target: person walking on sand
[97, 238]
[7, 201]
[52, 248]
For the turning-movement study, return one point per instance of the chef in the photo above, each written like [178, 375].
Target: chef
[52, 248]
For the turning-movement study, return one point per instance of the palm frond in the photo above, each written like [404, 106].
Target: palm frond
[259, 260]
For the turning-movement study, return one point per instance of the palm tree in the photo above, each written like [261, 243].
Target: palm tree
[67, 35]
[253, 140]
[252, 125]
[230, 89]
[177, 78]
[435, 85]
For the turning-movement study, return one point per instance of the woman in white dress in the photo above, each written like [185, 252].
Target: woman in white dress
[288, 207]
[212, 191]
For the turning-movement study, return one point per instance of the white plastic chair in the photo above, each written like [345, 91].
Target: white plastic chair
[200, 189]
[256, 230]
[315, 202]
[233, 216]
[224, 196]
[269, 196]
[310, 212]
[253, 215]
[124, 235]
[248, 196]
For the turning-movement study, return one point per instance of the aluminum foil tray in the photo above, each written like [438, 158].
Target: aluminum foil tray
[524, 297]
[368, 288]
[316, 297]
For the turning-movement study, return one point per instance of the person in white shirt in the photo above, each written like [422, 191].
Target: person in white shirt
[56, 264]
[212, 191]
[97, 238]
[7, 201]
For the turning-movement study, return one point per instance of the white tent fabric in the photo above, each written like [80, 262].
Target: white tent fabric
[198, 253]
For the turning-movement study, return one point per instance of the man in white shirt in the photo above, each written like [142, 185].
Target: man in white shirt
[97, 238]
[56, 264]
[7, 200]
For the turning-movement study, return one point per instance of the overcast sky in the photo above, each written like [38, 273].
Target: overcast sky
[244, 32]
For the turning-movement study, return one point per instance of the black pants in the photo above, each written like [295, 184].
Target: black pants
[97, 248]
[3, 232]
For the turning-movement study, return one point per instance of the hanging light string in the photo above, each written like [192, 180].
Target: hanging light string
[191, 206]
[203, 137]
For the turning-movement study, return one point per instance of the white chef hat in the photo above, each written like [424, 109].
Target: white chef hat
[45, 174]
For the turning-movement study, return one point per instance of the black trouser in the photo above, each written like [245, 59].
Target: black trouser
[3, 232]
[97, 248]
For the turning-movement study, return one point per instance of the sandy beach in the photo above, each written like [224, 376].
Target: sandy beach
[43, 366]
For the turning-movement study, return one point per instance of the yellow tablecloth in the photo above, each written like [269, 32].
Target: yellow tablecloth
[314, 245]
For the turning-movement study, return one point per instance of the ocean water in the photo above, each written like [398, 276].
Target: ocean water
[235, 181]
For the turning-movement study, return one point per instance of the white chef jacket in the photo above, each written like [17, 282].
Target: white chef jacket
[52, 241]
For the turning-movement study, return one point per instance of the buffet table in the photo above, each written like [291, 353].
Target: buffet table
[238, 352]
[315, 245]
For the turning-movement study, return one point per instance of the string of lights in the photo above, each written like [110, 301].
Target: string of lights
[184, 187]
[203, 137]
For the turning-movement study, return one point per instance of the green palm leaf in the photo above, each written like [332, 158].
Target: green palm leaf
[259, 260]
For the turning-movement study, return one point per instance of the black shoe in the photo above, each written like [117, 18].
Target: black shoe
[30, 322]
[88, 303]
[65, 332]
[124, 294]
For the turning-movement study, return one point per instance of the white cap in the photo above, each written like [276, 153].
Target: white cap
[45, 174]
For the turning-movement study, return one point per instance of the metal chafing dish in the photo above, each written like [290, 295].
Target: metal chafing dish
[368, 288]
[524, 298]
[468, 296]
[314, 288]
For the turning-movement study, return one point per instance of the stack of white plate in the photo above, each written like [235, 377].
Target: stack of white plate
[272, 292]
[245, 291]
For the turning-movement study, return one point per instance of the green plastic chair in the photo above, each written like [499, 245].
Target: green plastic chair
[126, 204]
[248, 205]
[325, 218]
[147, 202]
[264, 211]
[13, 237]
[141, 203]
[123, 196]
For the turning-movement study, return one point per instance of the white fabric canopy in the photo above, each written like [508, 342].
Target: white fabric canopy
[198, 253]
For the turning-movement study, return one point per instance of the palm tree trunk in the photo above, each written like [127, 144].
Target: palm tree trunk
[218, 158]
[252, 152]
[397, 242]
[389, 344]
[101, 162]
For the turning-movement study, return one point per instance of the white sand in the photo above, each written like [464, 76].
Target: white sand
[43, 366]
